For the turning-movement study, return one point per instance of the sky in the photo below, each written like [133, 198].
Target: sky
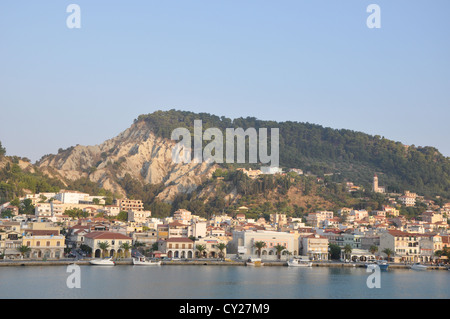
[300, 60]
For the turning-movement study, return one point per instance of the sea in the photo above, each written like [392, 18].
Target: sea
[219, 282]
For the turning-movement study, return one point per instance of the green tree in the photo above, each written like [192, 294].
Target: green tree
[221, 247]
[259, 245]
[335, 251]
[388, 253]
[86, 249]
[126, 249]
[26, 207]
[104, 247]
[24, 250]
[201, 249]
[373, 249]
[279, 249]
[7, 213]
[122, 216]
[2, 150]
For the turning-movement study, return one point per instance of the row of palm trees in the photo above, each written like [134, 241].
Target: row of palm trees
[202, 248]
[259, 245]
[373, 249]
[127, 247]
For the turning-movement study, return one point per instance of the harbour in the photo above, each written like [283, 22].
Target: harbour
[219, 282]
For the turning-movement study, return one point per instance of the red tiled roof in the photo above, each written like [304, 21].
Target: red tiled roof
[179, 239]
[106, 235]
[42, 232]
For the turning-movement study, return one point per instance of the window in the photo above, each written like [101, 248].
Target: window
[38, 243]
[48, 244]
[28, 243]
[58, 243]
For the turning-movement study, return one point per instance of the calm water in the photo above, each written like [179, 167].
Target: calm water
[220, 282]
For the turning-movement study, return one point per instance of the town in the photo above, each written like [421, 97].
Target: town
[75, 225]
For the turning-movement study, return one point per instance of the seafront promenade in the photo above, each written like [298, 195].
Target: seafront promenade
[199, 262]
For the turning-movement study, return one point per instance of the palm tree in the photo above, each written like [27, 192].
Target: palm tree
[221, 248]
[24, 250]
[279, 249]
[373, 249]
[347, 251]
[200, 249]
[104, 247]
[388, 252]
[126, 247]
[259, 245]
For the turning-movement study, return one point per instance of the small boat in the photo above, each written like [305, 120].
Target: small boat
[383, 265]
[299, 262]
[103, 262]
[419, 266]
[254, 262]
[141, 261]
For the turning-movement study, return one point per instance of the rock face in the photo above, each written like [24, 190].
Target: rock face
[137, 152]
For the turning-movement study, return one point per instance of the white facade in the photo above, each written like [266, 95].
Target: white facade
[71, 197]
[243, 243]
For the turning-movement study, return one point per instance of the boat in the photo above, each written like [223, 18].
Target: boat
[299, 262]
[383, 265]
[103, 262]
[254, 262]
[141, 261]
[419, 266]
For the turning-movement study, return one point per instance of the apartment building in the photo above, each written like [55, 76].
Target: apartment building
[129, 204]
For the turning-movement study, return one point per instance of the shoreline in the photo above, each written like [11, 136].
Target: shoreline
[25, 263]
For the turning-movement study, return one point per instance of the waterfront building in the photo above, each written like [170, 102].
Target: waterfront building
[411, 247]
[210, 243]
[44, 244]
[181, 247]
[10, 242]
[114, 241]
[315, 247]
[243, 243]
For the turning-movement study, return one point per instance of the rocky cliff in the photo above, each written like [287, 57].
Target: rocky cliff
[138, 152]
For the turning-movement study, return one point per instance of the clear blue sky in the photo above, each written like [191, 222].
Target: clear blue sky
[307, 61]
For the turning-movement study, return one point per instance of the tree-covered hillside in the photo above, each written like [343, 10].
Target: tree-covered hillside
[354, 155]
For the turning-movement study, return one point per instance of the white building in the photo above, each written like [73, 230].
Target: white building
[71, 197]
[243, 243]
[139, 216]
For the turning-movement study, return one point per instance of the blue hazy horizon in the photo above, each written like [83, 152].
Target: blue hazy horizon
[304, 61]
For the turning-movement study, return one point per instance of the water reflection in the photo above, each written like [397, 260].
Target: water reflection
[220, 282]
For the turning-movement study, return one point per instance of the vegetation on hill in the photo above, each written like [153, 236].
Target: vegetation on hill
[330, 157]
[354, 155]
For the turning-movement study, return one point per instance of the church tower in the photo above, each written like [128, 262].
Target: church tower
[375, 183]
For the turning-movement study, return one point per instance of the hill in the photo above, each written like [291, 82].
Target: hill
[138, 164]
